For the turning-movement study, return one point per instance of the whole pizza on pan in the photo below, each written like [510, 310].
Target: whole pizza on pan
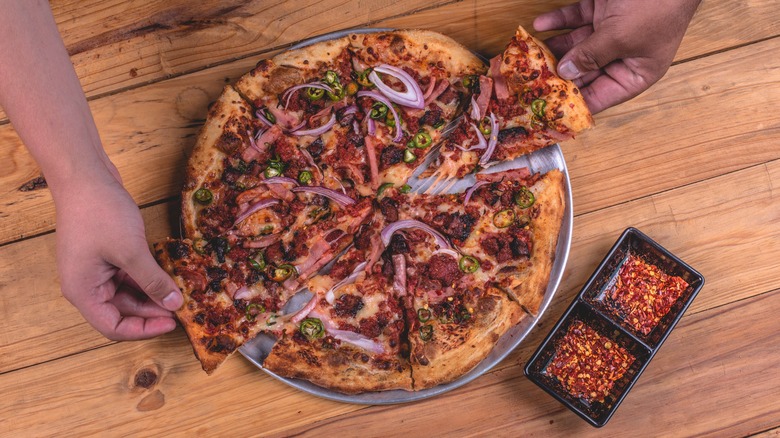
[299, 181]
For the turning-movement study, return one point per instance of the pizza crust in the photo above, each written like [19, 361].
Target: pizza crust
[529, 286]
[439, 52]
[566, 95]
[456, 349]
[343, 369]
[226, 127]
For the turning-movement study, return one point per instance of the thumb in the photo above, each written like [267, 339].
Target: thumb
[593, 53]
[152, 279]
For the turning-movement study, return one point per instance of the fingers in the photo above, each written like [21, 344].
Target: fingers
[567, 17]
[141, 322]
[560, 44]
[156, 283]
[593, 53]
[132, 303]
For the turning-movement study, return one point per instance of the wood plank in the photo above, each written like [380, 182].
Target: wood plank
[156, 125]
[38, 323]
[682, 129]
[689, 221]
[482, 25]
[701, 370]
[118, 45]
[139, 386]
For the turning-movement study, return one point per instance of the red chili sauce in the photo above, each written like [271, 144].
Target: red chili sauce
[642, 294]
[587, 364]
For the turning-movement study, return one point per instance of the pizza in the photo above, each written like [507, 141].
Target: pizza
[298, 189]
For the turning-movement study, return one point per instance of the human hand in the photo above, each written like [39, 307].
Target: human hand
[617, 48]
[106, 269]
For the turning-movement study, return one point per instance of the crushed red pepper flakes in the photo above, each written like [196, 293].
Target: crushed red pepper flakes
[642, 294]
[587, 364]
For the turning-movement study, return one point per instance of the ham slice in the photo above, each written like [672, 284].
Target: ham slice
[440, 88]
[485, 92]
[372, 163]
[269, 136]
[499, 81]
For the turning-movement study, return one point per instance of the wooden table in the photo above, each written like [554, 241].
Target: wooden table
[694, 162]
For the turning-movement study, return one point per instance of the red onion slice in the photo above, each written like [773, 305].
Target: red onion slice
[450, 252]
[242, 293]
[263, 241]
[378, 97]
[279, 180]
[288, 94]
[337, 197]
[493, 141]
[356, 127]
[317, 131]
[473, 189]
[265, 203]
[411, 97]
[388, 231]
[475, 114]
[330, 295]
[304, 312]
[260, 115]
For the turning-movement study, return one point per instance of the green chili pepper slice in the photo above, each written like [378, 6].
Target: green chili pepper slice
[422, 140]
[203, 196]
[352, 88]
[426, 332]
[504, 218]
[252, 310]
[315, 93]
[271, 172]
[423, 314]
[485, 126]
[378, 111]
[439, 124]
[409, 156]
[269, 115]
[390, 120]
[406, 188]
[331, 77]
[538, 106]
[257, 262]
[337, 94]
[524, 198]
[312, 328]
[199, 245]
[383, 187]
[305, 177]
[468, 264]
[363, 80]
[470, 81]
[282, 272]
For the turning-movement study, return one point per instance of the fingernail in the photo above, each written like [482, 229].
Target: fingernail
[173, 301]
[568, 70]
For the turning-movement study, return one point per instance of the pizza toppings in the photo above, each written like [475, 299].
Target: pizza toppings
[313, 169]
[412, 96]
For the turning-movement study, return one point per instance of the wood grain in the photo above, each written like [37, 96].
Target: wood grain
[149, 41]
[678, 393]
[117, 45]
[155, 125]
[148, 384]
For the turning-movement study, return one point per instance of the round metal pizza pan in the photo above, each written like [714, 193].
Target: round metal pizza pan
[540, 161]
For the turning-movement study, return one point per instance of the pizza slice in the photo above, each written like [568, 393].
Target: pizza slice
[453, 317]
[413, 83]
[350, 335]
[228, 299]
[520, 106]
[515, 238]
